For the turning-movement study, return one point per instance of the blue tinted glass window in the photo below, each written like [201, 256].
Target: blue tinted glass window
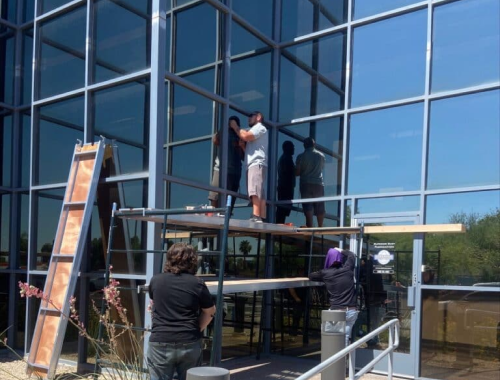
[385, 150]
[250, 84]
[8, 10]
[294, 136]
[384, 205]
[192, 161]
[447, 208]
[468, 258]
[62, 53]
[195, 37]
[312, 77]
[182, 196]
[182, 2]
[389, 59]
[24, 228]
[365, 8]
[304, 17]
[259, 13]
[243, 41]
[7, 63]
[466, 37]
[27, 72]
[48, 5]
[46, 219]
[6, 150]
[204, 79]
[60, 125]
[192, 115]
[328, 136]
[122, 40]
[25, 150]
[464, 138]
[28, 10]
[4, 231]
[121, 113]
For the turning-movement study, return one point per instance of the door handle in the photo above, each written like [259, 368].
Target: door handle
[411, 296]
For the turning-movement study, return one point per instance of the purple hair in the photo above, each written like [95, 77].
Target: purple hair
[332, 257]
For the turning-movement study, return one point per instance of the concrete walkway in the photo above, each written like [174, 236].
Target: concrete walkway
[275, 367]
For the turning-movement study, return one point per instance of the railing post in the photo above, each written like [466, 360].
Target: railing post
[391, 353]
[352, 364]
[333, 341]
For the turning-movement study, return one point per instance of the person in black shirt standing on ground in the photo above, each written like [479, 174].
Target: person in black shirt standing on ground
[182, 308]
[338, 277]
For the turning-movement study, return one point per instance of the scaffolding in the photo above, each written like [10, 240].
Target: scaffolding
[195, 223]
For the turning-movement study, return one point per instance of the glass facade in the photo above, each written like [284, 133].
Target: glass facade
[402, 98]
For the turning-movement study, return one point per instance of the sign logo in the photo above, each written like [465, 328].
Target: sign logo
[384, 257]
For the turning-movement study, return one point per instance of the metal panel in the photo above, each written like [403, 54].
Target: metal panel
[65, 263]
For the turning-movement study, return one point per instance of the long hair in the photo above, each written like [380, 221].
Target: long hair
[181, 258]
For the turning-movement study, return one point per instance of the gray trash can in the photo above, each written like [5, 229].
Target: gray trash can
[332, 341]
[207, 373]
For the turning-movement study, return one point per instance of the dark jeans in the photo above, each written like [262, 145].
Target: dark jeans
[164, 359]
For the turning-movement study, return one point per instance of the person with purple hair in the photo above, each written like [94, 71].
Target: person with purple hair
[338, 276]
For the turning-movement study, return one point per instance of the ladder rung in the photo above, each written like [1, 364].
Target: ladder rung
[49, 310]
[86, 153]
[60, 255]
[137, 251]
[75, 203]
[41, 366]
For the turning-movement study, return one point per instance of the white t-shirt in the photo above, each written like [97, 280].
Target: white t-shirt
[256, 150]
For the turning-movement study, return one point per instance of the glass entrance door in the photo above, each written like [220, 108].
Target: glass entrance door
[388, 266]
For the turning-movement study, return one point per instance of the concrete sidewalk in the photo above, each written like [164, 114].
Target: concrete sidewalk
[275, 367]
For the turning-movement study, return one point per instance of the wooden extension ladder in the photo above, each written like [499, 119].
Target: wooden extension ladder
[66, 258]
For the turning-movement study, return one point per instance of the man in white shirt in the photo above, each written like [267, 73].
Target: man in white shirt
[256, 147]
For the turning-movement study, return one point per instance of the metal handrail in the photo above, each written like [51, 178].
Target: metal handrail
[392, 326]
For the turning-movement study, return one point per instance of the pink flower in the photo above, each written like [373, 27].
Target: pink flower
[29, 291]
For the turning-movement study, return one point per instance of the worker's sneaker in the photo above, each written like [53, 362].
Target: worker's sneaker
[255, 219]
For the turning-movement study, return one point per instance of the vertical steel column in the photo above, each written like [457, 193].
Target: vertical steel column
[223, 47]
[267, 313]
[345, 133]
[34, 150]
[419, 240]
[307, 314]
[88, 137]
[156, 138]
[215, 357]
[15, 200]
[88, 128]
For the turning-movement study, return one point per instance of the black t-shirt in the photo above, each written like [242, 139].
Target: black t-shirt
[177, 299]
[339, 282]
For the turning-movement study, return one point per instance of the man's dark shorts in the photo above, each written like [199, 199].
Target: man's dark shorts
[310, 190]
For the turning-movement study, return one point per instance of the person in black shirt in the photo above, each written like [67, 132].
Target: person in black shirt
[235, 156]
[182, 308]
[286, 180]
[338, 277]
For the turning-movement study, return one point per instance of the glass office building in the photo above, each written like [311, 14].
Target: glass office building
[402, 98]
